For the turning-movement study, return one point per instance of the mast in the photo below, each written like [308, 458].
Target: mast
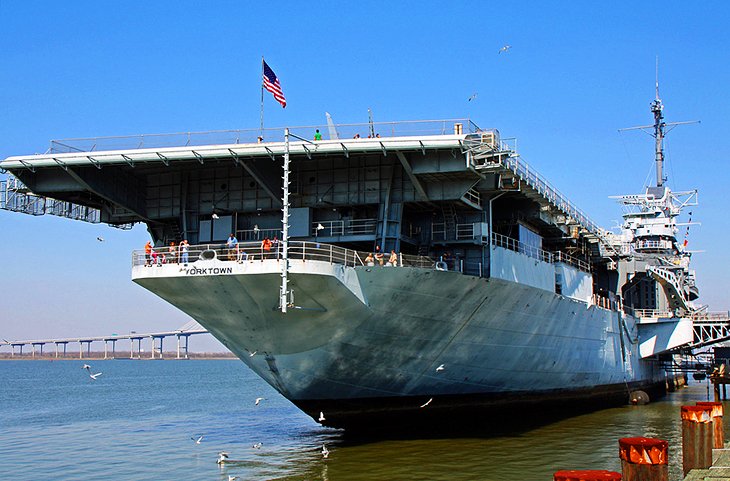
[657, 109]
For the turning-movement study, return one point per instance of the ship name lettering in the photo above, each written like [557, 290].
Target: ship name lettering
[202, 271]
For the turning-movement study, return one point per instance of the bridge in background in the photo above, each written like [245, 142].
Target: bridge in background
[190, 329]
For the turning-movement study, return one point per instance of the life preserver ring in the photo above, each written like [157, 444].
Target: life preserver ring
[441, 266]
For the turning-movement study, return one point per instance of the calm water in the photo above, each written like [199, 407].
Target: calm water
[135, 423]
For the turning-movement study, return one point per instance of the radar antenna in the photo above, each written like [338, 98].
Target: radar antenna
[370, 122]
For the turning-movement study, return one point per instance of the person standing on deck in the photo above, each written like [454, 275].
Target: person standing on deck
[148, 254]
[317, 135]
[378, 256]
[232, 244]
[393, 260]
[265, 247]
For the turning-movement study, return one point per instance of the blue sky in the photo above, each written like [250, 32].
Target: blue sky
[576, 72]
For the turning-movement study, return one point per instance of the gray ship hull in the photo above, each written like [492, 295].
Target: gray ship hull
[365, 343]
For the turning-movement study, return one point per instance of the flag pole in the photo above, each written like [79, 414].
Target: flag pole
[262, 98]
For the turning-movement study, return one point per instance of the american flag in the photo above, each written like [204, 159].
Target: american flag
[271, 83]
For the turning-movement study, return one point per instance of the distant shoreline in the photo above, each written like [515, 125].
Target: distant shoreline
[167, 356]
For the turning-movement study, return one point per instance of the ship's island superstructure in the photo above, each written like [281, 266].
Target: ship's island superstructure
[502, 292]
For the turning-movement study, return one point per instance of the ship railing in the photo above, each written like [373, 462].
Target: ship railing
[254, 251]
[651, 313]
[503, 241]
[559, 256]
[609, 303]
[333, 228]
[654, 244]
[225, 137]
[547, 190]
[713, 317]
[257, 234]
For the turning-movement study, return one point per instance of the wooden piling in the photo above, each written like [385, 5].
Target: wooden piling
[644, 459]
[590, 475]
[718, 428]
[696, 437]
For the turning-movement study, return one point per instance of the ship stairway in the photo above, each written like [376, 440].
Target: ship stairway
[672, 286]
[487, 156]
[450, 220]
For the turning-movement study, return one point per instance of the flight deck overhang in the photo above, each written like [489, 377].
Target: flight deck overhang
[201, 153]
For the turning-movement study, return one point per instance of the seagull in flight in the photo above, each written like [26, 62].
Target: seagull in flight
[252, 354]
[440, 368]
[321, 416]
[426, 403]
[505, 49]
[197, 440]
[325, 451]
[258, 400]
[100, 239]
[86, 366]
[94, 376]
[472, 97]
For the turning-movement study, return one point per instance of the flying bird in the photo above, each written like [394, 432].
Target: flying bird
[505, 49]
[321, 416]
[440, 368]
[197, 440]
[100, 239]
[258, 400]
[94, 376]
[222, 457]
[426, 403]
[472, 97]
[232, 478]
[325, 451]
[86, 366]
[6, 341]
[252, 354]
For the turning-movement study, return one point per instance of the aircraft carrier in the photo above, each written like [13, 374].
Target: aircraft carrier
[415, 270]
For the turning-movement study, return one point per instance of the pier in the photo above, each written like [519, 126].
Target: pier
[84, 343]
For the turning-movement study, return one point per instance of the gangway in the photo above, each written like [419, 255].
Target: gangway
[710, 328]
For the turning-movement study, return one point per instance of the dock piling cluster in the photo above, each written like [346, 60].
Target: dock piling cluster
[647, 459]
